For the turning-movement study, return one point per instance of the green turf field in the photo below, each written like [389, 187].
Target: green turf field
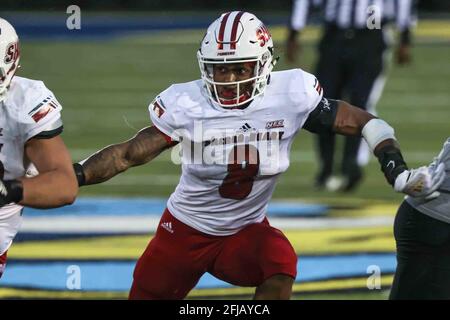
[106, 85]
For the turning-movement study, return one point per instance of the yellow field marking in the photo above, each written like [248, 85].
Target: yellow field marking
[433, 28]
[425, 28]
[116, 247]
[340, 284]
[331, 241]
[43, 294]
[373, 210]
[319, 286]
[355, 240]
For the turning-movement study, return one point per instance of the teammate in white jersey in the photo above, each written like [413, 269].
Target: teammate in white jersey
[235, 127]
[30, 124]
[422, 233]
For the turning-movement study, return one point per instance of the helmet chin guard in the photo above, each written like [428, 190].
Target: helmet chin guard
[236, 37]
[9, 56]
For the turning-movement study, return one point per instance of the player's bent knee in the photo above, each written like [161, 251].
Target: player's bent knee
[279, 281]
[278, 286]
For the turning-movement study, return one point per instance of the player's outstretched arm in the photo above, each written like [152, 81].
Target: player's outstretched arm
[55, 185]
[421, 182]
[114, 159]
[343, 118]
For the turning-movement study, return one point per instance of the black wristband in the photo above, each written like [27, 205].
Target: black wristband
[392, 163]
[14, 189]
[78, 168]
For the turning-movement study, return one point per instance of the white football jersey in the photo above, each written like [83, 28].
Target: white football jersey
[28, 110]
[438, 208]
[231, 158]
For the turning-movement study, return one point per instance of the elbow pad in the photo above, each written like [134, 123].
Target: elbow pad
[321, 119]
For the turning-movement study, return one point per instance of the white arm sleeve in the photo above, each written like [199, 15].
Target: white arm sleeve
[376, 131]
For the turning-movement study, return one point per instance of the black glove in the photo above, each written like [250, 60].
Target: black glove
[10, 191]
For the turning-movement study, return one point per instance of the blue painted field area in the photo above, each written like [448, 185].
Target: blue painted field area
[117, 275]
[103, 26]
[45, 231]
[154, 206]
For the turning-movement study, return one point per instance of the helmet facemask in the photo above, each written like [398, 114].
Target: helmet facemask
[6, 77]
[244, 90]
[236, 37]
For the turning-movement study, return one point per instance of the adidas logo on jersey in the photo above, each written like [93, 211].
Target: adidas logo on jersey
[167, 226]
[246, 127]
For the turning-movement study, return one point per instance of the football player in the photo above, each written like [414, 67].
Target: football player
[30, 125]
[235, 126]
[422, 233]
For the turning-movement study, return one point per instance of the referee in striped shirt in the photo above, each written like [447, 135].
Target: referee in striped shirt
[352, 54]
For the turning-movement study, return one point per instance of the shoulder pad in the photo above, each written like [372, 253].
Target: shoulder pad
[34, 107]
[33, 101]
[175, 108]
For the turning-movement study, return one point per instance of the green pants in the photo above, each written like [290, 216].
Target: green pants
[423, 256]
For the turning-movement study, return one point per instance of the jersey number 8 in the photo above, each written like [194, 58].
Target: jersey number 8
[243, 167]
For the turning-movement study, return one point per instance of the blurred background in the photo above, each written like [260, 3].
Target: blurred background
[106, 73]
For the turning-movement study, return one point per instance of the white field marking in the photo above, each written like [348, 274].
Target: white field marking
[143, 224]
